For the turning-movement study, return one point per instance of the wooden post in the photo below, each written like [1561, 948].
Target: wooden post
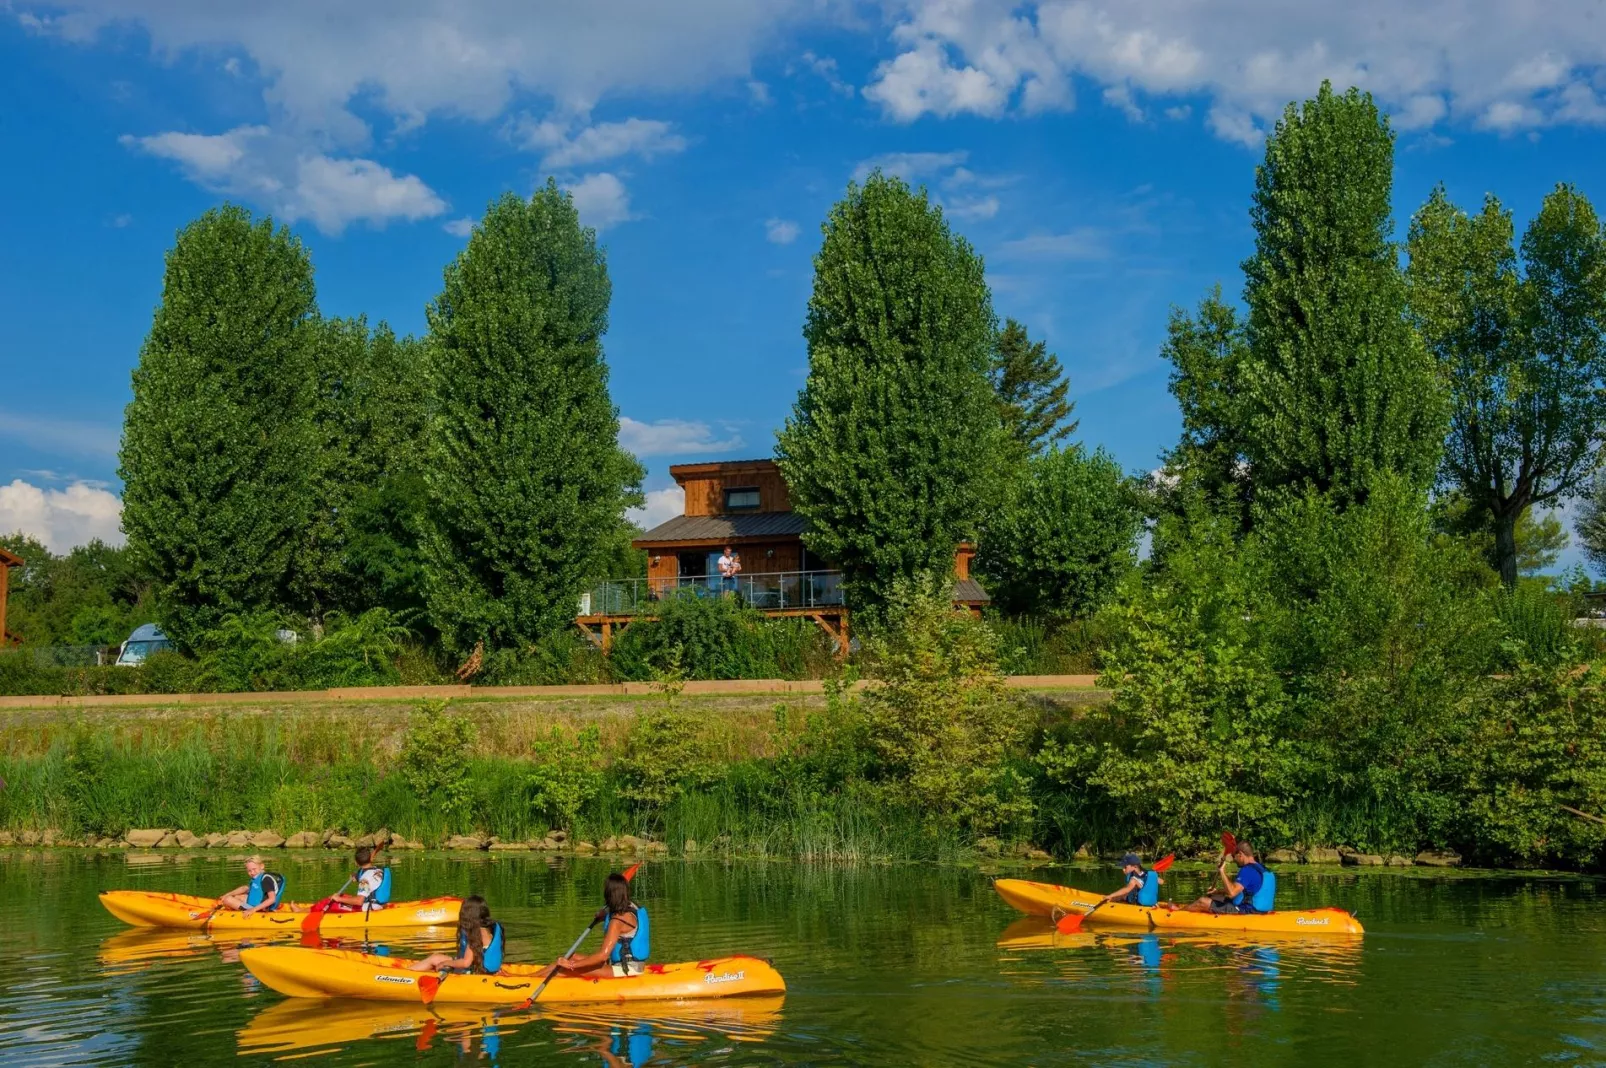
[607, 637]
[5, 582]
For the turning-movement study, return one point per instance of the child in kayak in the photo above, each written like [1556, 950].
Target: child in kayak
[624, 941]
[479, 943]
[1142, 886]
[1247, 893]
[373, 886]
[261, 894]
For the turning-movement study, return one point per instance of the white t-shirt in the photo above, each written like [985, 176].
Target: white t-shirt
[368, 882]
[725, 564]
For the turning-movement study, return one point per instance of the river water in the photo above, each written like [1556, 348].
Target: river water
[885, 966]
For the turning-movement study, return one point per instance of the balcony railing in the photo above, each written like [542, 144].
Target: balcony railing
[771, 592]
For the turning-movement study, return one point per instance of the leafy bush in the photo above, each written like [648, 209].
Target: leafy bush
[565, 775]
[435, 758]
[940, 723]
[666, 753]
[1538, 624]
[256, 652]
[719, 638]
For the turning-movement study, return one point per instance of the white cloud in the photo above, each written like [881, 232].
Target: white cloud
[780, 231]
[662, 506]
[646, 138]
[910, 166]
[1082, 243]
[672, 437]
[463, 227]
[1119, 97]
[61, 518]
[601, 199]
[253, 163]
[825, 68]
[958, 187]
[758, 93]
[973, 209]
[1501, 64]
[62, 435]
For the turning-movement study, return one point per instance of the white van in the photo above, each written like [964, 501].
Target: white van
[145, 640]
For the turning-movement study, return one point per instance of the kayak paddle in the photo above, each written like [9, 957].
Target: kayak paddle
[314, 917]
[629, 873]
[1071, 922]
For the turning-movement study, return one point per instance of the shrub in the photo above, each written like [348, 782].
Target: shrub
[435, 758]
[719, 638]
[565, 774]
[666, 753]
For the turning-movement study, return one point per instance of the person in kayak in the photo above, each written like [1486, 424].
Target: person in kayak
[373, 886]
[1142, 886]
[1249, 892]
[625, 941]
[479, 943]
[261, 894]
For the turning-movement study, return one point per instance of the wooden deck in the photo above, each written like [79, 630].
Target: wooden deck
[833, 619]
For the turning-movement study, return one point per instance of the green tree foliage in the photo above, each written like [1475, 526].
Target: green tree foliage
[91, 595]
[1540, 538]
[1339, 389]
[526, 480]
[217, 442]
[894, 449]
[944, 730]
[368, 408]
[1591, 523]
[1208, 352]
[566, 774]
[435, 758]
[1031, 389]
[1067, 537]
[1523, 350]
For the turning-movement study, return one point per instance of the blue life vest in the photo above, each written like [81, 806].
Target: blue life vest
[638, 945]
[262, 888]
[493, 952]
[1149, 892]
[381, 894]
[1262, 899]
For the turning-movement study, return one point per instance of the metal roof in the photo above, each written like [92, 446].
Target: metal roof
[736, 527]
[969, 591]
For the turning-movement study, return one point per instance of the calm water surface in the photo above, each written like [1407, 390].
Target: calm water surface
[885, 966]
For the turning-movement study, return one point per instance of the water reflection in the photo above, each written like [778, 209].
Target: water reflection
[139, 948]
[618, 1034]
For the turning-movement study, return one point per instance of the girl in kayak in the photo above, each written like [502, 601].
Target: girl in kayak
[479, 943]
[624, 940]
[1142, 886]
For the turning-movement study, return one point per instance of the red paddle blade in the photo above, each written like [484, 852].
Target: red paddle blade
[428, 986]
[309, 924]
[1229, 844]
[1164, 862]
[1070, 923]
[630, 872]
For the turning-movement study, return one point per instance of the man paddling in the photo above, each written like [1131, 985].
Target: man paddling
[1245, 893]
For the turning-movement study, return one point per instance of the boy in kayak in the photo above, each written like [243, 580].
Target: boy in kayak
[261, 894]
[1241, 893]
[373, 888]
[624, 941]
[1142, 886]
[479, 943]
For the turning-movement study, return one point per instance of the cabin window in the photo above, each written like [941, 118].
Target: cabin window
[744, 499]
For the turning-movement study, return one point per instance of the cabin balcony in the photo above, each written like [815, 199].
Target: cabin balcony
[778, 592]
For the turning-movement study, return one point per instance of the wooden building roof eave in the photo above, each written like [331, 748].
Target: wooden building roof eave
[10, 559]
[713, 543]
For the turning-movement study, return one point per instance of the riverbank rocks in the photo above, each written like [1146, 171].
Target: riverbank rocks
[1322, 855]
[496, 845]
[1395, 860]
[238, 839]
[186, 840]
[399, 842]
[1363, 860]
[465, 841]
[267, 839]
[558, 836]
[303, 840]
[690, 846]
[214, 840]
[169, 840]
[586, 848]
[547, 845]
[1434, 859]
[1083, 852]
[145, 838]
[1284, 856]
[378, 840]
[337, 841]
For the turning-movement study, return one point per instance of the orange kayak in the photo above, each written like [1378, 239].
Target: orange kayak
[1046, 899]
[341, 973]
[144, 908]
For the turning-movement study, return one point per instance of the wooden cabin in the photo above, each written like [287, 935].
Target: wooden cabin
[745, 505]
[8, 560]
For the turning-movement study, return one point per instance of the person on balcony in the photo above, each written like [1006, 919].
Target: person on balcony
[728, 566]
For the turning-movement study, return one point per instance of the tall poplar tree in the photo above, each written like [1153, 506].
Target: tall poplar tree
[1340, 389]
[1524, 351]
[525, 477]
[217, 440]
[894, 448]
[1031, 389]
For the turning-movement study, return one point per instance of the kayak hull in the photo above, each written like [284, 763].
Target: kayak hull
[185, 911]
[1046, 899]
[339, 973]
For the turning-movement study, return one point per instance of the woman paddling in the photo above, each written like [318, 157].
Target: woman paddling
[624, 941]
[479, 943]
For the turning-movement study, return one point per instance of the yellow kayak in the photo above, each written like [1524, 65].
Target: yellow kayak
[1046, 899]
[305, 1024]
[341, 973]
[143, 908]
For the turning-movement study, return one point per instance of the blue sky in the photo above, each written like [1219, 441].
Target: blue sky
[1100, 155]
